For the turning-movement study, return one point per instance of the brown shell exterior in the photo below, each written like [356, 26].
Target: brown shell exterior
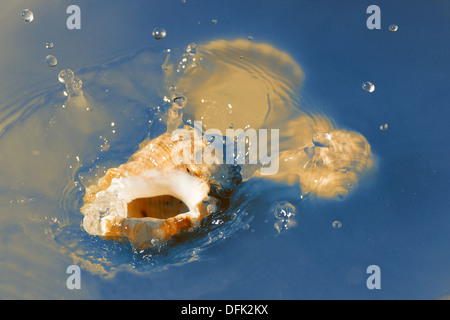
[159, 153]
[162, 152]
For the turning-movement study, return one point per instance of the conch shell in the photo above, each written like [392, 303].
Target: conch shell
[157, 194]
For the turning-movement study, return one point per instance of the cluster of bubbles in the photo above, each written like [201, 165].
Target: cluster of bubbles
[370, 87]
[284, 212]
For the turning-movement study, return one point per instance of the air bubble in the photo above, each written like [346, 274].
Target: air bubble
[159, 33]
[393, 27]
[51, 61]
[368, 86]
[337, 224]
[27, 15]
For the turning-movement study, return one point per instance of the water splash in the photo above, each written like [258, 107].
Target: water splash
[73, 87]
[262, 90]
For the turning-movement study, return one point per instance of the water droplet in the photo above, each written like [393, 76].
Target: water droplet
[179, 100]
[393, 27]
[27, 15]
[49, 45]
[384, 127]
[66, 75]
[284, 210]
[159, 33]
[337, 224]
[321, 139]
[51, 61]
[368, 86]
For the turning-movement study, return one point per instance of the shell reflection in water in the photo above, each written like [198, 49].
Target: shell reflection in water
[263, 91]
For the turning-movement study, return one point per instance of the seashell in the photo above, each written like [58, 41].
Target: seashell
[157, 194]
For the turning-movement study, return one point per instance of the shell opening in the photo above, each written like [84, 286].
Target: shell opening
[160, 207]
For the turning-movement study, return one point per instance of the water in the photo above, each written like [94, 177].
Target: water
[56, 143]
